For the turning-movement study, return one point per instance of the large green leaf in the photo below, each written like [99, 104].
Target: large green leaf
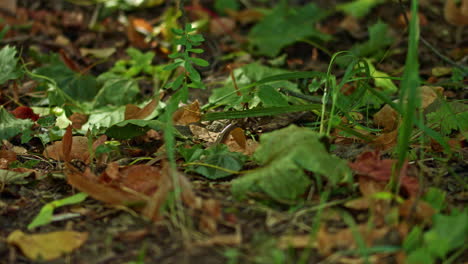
[78, 86]
[8, 63]
[132, 128]
[286, 25]
[285, 154]
[116, 90]
[220, 158]
[379, 39]
[11, 126]
[450, 116]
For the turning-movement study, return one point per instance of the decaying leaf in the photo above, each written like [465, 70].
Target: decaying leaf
[47, 246]
[370, 165]
[144, 186]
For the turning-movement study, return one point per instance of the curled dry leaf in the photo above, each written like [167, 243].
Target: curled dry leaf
[78, 120]
[456, 15]
[135, 112]
[24, 112]
[370, 165]
[187, 114]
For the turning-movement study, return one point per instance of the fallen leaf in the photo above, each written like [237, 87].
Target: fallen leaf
[429, 94]
[387, 118]
[102, 53]
[134, 112]
[457, 16]
[24, 112]
[222, 25]
[48, 246]
[346, 238]
[386, 141]
[79, 150]
[370, 165]
[78, 120]
[187, 114]
[135, 26]
[296, 241]
[417, 210]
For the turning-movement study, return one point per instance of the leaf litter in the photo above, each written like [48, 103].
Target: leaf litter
[255, 196]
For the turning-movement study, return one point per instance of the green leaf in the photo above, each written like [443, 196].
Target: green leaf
[132, 128]
[11, 126]
[450, 116]
[270, 96]
[379, 39]
[200, 62]
[12, 177]
[193, 73]
[221, 5]
[104, 118]
[45, 216]
[448, 233]
[218, 156]
[8, 64]
[283, 182]
[285, 154]
[172, 66]
[78, 86]
[358, 8]
[284, 26]
[198, 51]
[116, 91]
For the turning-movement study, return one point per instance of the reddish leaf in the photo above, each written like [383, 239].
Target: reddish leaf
[24, 112]
[370, 165]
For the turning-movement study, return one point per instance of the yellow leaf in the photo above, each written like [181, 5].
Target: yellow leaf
[47, 246]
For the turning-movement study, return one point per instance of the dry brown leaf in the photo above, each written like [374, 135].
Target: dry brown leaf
[370, 165]
[246, 16]
[455, 15]
[7, 157]
[187, 114]
[351, 24]
[79, 149]
[429, 94]
[135, 112]
[135, 26]
[345, 238]
[47, 246]
[296, 241]
[386, 141]
[203, 133]
[222, 25]
[78, 120]
[387, 118]
[417, 210]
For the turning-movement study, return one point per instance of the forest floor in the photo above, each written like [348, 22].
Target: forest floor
[325, 223]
